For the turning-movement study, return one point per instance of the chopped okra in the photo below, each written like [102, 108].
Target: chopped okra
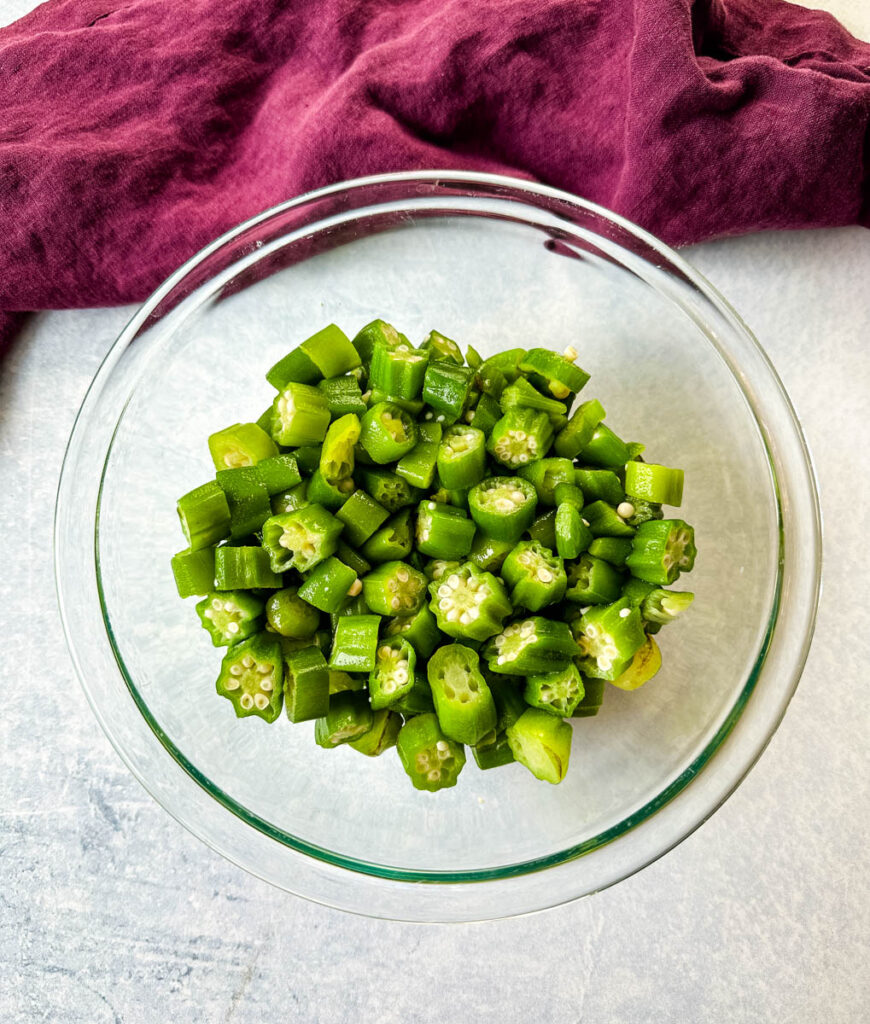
[420, 549]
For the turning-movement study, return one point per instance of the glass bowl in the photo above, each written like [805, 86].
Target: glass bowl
[497, 263]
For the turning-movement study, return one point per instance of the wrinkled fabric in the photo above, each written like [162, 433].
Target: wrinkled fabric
[132, 134]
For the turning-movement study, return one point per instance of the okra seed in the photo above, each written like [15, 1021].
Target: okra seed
[208, 613]
[592, 632]
[443, 755]
[500, 641]
[217, 604]
[247, 701]
[469, 416]
[625, 509]
[384, 652]
[443, 591]
[465, 619]
[395, 603]
[231, 683]
[442, 745]
[439, 418]
[453, 582]
[570, 353]
[452, 615]
[266, 684]
[545, 576]
[248, 661]
[428, 416]
[260, 700]
[402, 575]
[235, 670]
[366, 396]
[355, 588]
[624, 613]
[434, 775]
[527, 629]
[232, 627]
[445, 603]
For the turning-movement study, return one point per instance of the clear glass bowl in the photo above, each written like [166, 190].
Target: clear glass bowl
[497, 263]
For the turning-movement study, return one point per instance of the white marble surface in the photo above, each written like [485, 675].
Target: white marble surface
[109, 911]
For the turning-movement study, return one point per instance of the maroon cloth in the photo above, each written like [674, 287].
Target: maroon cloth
[131, 136]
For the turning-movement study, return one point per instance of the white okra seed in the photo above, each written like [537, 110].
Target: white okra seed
[236, 670]
[208, 613]
[260, 700]
[232, 684]
[625, 509]
[247, 701]
[624, 613]
[395, 602]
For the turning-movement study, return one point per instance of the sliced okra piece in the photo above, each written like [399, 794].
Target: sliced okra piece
[609, 636]
[420, 630]
[605, 521]
[244, 568]
[612, 549]
[328, 353]
[642, 667]
[604, 449]
[663, 606]
[330, 496]
[543, 529]
[591, 580]
[557, 693]
[382, 735]
[352, 558]
[443, 530]
[545, 475]
[472, 357]
[392, 678]
[351, 606]
[429, 430]
[578, 431]
[252, 677]
[355, 643]
[487, 553]
[590, 702]
[661, 550]
[599, 485]
[299, 540]
[264, 422]
[430, 759]
[204, 515]
[341, 681]
[507, 363]
[494, 754]
[635, 450]
[521, 394]
[306, 685]
[378, 332]
[336, 455]
[642, 511]
[461, 457]
[469, 604]
[348, 718]
[279, 473]
[554, 373]
[388, 488]
[569, 493]
[387, 432]
[535, 575]
[418, 466]
[503, 507]
[439, 346]
[361, 516]
[230, 616]
[247, 498]
[394, 588]
[654, 483]
[414, 406]
[194, 572]
[328, 586]
[242, 444]
[541, 742]
[508, 696]
[463, 703]
[343, 395]
[289, 615]
[521, 436]
[398, 370]
[485, 414]
[530, 646]
[300, 416]
[446, 390]
[573, 536]
[418, 700]
[393, 541]
[290, 500]
[308, 458]
[635, 591]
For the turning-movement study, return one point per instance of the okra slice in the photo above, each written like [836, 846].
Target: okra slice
[661, 550]
[663, 606]
[557, 693]
[418, 700]
[387, 432]
[349, 717]
[204, 515]
[341, 681]
[418, 466]
[642, 667]
[446, 389]
[361, 516]
[463, 703]
[531, 646]
[194, 572]
[535, 575]
[545, 475]
[485, 414]
[414, 406]
[392, 678]
[578, 431]
[604, 449]
[329, 496]
[573, 536]
[507, 363]
[541, 742]
[635, 592]
[392, 542]
[329, 585]
[599, 485]
[289, 615]
[439, 346]
[352, 558]
[394, 588]
[508, 696]
[336, 455]
[521, 436]
[461, 457]
[398, 370]
[469, 603]
[503, 506]
[430, 759]
[590, 702]
[252, 677]
[655, 483]
[306, 685]
[343, 395]
[247, 499]
[308, 458]
[244, 568]
[488, 553]
[608, 637]
[242, 444]
[301, 539]
[279, 473]
[605, 521]
[591, 580]
[522, 394]
[494, 754]
[612, 549]
[543, 529]
[388, 488]
[382, 735]
[443, 531]
[554, 373]
[420, 630]
[230, 616]
[328, 353]
[378, 332]
[642, 511]
[290, 500]
[300, 416]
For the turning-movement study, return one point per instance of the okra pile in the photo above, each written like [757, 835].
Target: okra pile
[420, 550]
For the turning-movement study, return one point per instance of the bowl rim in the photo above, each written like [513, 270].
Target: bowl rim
[518, 189]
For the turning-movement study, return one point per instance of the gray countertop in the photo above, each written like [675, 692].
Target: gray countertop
[110, 911]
